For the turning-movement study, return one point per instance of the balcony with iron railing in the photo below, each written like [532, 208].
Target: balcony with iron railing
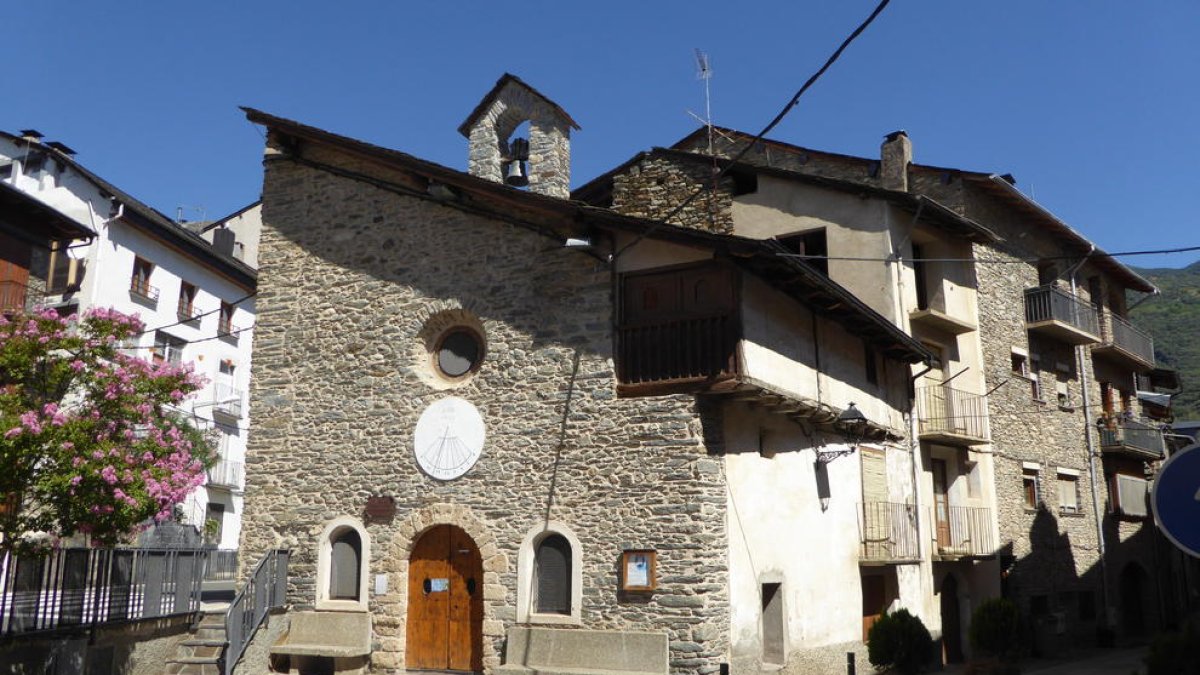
[887, 533]
[1051, 311]
[676, 355]
[1125, 343]
[227, 474]
[227, 400]
[962, 532]
[951, 416]
[141, 291]
[12, 296]
[1131, 438]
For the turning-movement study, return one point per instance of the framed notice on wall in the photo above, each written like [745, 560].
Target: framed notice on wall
[639, 570]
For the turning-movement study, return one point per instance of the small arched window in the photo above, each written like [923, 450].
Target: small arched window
[552, 573]
[345, 568]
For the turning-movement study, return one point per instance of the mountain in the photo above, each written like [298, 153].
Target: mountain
[1173, 318]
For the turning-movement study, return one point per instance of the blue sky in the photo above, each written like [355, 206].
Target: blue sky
[1092, 105]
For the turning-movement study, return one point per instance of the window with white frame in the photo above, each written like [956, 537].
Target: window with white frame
[1068, 490]
[1035, 377]
[167, 348]
[1062, 385]
[549, 575]
[1030, 486]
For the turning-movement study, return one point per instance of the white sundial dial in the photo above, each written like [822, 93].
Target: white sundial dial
[449, 438]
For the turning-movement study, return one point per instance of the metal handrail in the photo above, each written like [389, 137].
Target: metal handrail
[1050, 303]
[221, 565]
[964, 531]
[70, 588]
[265, 590]
[1119, 332]
[888, 531]
[1132, 433]
[943, 409]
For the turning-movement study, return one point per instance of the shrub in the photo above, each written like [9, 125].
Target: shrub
[996, 629]
[899, 641]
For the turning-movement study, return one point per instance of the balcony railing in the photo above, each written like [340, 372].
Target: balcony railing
[1122, 335]
[143, 290]
[1061, 314]
[952, 415]
[227, 400]
[1132, 437]
[963, 531]
[72, 588]
[12, 296]
[888, 532]
[227, 474]
[221, 565]
[685, 349]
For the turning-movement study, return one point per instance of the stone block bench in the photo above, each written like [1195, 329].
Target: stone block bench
[558, 651]
[339, 640]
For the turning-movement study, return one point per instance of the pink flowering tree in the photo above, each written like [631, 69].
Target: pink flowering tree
[88, 443]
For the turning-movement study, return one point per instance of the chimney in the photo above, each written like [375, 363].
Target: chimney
[895, 155]
[32, 135]
[542, 162]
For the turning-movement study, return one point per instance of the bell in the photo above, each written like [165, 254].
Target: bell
[516, 175]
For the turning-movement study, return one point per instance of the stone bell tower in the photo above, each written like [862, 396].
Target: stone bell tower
[543, 161]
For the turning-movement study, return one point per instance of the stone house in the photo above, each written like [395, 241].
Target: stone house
[196, 299]
[1029, 321]
[508, 429]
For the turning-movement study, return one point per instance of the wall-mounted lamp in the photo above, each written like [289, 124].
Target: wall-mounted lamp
[852, 420]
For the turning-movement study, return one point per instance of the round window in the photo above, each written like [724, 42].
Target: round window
[459, 352]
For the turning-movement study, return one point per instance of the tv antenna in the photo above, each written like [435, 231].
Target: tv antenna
[704, 72]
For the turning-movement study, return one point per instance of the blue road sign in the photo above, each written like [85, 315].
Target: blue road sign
[1176, 500]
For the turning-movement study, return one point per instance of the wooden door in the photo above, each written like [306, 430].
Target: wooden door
[445, 602]
[951, 621]
[14, 272]
[941, 503]
[874, 601]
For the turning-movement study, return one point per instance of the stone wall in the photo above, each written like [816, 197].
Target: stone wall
[136, 648]
[656, 186]
[549, 140]
[350, 275]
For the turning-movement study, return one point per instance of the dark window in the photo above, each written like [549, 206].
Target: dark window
[1047, 273]
[344, 568]
[458, 353]
[140, 281]
[872, 364]
[772, 623]
[919, 277]
[187, 298]
[214, 522]
[810, 244]
[744, 182]
[167, 348]
[552, 573]
[1087, 606]
[225, 319]
[1029, 485]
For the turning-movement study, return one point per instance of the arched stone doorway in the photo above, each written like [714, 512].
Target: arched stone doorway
[951, 621]
[444, 625]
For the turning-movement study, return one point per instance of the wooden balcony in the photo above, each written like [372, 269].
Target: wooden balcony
[12, 296]
[962, 532]
[1063, 316]
[682, 355]
[1125, 344]
[1132, 438]
[951, 416]
[887, 533]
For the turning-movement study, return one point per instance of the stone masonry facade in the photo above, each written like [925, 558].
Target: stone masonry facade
[351, 274]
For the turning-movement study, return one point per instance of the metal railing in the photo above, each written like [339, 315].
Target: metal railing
[143, 289]
[227, 399]
[1118, 332]
[1141, 436]
[77, 587]
[265, 590]
[221, 565]
[946, 410]
[12, 296]
[961, 531]
[228, 474]
[1049, 303]
[887, 532]
[675, 350]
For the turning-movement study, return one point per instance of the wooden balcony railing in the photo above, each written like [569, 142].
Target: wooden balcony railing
[952, 414]
[1119, 333]
[1049, 305]
[682, 349]
[12, 296]
[963, 531]
[1132, 437]
[888, 532]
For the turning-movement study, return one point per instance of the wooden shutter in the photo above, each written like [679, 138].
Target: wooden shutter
[553, 571]
[874, 475]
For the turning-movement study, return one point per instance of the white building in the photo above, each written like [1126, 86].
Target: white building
[196, 301]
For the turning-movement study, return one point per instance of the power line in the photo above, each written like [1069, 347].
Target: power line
[787, 108]
[199, 316]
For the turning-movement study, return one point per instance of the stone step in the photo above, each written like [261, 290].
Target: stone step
[210, 634]
[204, 642]
[193, 666]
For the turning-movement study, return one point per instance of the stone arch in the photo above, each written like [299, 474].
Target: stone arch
[334, 531]
[390, 621]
